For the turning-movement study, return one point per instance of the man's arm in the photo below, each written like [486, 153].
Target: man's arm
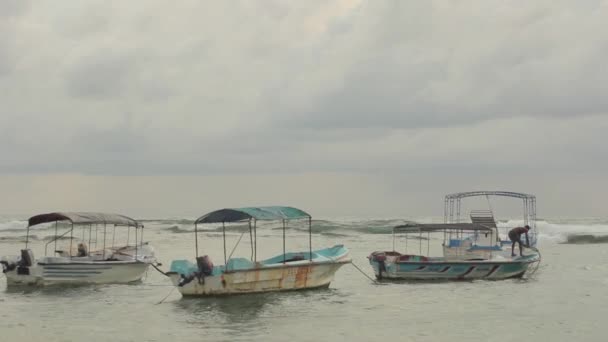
[527, 240]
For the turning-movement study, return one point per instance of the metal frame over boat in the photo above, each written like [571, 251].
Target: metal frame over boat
[470, 250]
[453, 204]
[108, 264]
[287, 271]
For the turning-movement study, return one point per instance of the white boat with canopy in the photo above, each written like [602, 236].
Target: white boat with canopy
[286, 271]
[108, 262]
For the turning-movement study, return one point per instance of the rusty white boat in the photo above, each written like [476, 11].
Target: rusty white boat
[76, 264]
[287, 271]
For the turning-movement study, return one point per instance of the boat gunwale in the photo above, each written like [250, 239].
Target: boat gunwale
[101, 262]
[280, 266]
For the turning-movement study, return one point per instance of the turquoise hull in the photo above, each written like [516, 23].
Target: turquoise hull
[392, 265]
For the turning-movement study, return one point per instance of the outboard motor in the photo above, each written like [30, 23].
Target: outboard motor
[380, 258]
[205, 266]
[27, 260]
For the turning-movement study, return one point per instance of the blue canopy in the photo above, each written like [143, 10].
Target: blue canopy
[274, 213]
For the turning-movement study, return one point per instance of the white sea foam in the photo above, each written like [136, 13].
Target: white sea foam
[12, 225]
[559, 232]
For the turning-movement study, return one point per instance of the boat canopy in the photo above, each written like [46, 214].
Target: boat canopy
[488, 193]
[437, 227]
[84, 218]
[274, 213]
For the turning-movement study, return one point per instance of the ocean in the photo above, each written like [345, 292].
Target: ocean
[565, 300]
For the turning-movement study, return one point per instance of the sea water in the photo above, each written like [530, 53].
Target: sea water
[565, 300]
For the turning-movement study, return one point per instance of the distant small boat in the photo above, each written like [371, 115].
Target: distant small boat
[109, 263]
[287, 271]
[470, 250]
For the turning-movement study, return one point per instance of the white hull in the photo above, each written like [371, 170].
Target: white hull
[302, 275]
[113, 272]
[117, 266]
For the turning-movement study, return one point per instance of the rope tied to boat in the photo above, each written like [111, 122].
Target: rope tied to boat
[365, 274]
[158, 269]
[167, 296]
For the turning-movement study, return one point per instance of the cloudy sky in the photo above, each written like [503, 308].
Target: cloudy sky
[341, 107]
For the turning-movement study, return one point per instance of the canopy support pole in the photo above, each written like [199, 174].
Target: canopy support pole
[224, 234]
[113, 236]
[310, 238]
[196, 240]
[255, 237]
[104, 241]
[250, 239]
[71, 237]
[27, 236]
[135, 256]
[283, 241]
[56, 222]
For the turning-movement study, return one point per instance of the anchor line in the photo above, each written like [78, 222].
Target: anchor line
[167, 296]
[365, 274]
[158, 269]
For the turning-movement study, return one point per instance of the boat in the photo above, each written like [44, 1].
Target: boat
[287, 271]
[107, 263]
[471, 250]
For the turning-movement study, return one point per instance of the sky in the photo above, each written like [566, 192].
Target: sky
[345, 108]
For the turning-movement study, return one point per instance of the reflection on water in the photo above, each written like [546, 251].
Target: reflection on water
[243, 308]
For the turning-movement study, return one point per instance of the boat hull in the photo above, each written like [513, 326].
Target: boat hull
[451, 270]
[117, 266]
[77, 273]
[267, 279]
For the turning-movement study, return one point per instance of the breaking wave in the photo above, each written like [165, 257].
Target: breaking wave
[17, 238]
[178, 230]
[577, 239]
[13, 226]
[574, 231]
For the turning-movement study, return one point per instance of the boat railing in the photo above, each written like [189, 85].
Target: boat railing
[57, 237]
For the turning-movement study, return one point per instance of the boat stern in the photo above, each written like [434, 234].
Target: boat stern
[21, 269]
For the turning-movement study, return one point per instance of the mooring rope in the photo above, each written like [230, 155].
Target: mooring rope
[158, 269]
[365, 274]
[167, 296]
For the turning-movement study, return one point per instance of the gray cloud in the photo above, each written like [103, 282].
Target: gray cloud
[377, 86]
[100, 76]
[456, 68]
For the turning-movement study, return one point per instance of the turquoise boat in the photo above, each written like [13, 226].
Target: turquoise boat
[472, 250]
[290, 270]
[461, 260]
